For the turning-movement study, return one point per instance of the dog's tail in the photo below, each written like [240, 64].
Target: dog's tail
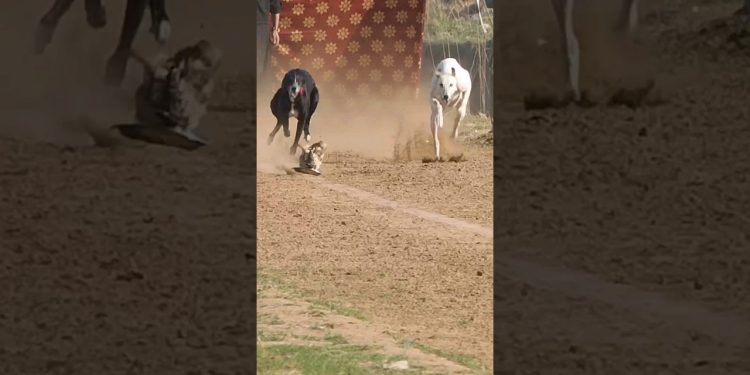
[437, 114]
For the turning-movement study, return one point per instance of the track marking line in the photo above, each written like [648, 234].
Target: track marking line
[654, 306]
[427, 215]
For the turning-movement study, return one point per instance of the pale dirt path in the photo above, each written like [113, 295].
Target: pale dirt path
[430, 282]
[632, 304]
[724, 327]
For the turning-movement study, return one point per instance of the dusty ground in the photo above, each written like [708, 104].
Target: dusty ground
[131, 259]
[289, 320]
[653, 199]
[406, 243]
[622, 204]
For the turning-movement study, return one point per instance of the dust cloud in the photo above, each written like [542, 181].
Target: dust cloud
[396, 129]
[59, 96]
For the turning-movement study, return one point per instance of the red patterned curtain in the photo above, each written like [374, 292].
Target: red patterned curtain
[353, 48]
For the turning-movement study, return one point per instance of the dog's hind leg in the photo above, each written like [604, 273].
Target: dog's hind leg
[48, 24]
[273, 132]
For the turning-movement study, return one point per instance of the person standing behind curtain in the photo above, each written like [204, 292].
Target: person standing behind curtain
[268, 10]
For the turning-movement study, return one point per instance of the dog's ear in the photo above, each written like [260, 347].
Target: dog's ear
[453, 70]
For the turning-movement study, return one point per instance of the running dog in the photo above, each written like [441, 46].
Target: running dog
[97, 19]
[451, 87]
[297, 97]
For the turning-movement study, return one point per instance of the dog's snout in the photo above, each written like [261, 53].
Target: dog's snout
[445, 97]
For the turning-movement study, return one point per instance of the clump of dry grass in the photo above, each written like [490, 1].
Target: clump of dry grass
[457, 21]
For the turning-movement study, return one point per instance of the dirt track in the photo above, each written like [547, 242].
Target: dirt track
[614, 199]
[654, 199]
[131, 259]
[406, 243]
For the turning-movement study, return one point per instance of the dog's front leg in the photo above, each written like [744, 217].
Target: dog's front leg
[436, 122]
[297, 135]
[307, 129]
[273, 132]
[571, 48]
[462, 109]
[628, 15]
[117, 62]
[48, 24]
[96, 15]
[160, 25]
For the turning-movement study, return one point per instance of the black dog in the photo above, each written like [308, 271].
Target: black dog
[97, 18]
[297, 97]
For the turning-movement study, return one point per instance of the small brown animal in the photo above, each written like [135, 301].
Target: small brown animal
[312, 156]
[175, 90]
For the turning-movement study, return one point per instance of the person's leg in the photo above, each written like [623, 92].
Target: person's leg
[263, 55]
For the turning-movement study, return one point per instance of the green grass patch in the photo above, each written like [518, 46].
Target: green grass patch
[270, 337]
[336, 340]
[463, 360]
[476, 130]
[266, 281]
[308, 338]
[271, 320]
[447, 22]
[307, 360]
[477, 122]
[337, 308]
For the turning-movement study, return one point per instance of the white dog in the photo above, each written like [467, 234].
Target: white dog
[451, 87]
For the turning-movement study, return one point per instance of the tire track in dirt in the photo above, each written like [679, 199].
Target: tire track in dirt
[724, 327]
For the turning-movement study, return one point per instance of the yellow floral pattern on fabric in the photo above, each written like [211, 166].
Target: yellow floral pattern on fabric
[353, 47]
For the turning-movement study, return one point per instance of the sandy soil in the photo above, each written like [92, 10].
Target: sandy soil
[406, 243]
[623, 204]
[652, 199]
[129, 259]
